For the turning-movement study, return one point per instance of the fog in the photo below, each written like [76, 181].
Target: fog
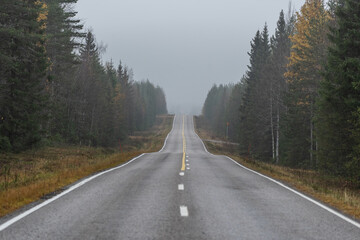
[183, 46]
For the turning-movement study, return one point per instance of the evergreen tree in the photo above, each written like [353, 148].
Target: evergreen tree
[215, 108]
[146, 106]
[247, 104]
[139, 107]
[255, 135]
[233, 111]
[50, 83]
[160, 101]
[339, 105]
[63, 33]
[23, 64]
[88, 92]
[116, 130]
[280, 44]
[126, 82]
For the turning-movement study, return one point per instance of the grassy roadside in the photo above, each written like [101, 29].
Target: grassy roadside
[32, 175]
[335, 192]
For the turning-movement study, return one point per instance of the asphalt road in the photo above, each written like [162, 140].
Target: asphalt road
[149, 198]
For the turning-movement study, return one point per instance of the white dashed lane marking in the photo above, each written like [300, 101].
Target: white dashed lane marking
[184, 211]
[181, 187]
[181, 173]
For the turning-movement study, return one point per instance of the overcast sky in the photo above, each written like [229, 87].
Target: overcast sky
[184, 46]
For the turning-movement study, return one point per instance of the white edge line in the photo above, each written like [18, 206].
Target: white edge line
[168, 134]
[37, 207]
[200, 138]
[347, 219]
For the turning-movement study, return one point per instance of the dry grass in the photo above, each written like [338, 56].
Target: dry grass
[32, 175]
[335, 192]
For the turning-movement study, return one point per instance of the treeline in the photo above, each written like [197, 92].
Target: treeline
[215, 107]
[54, 87]
[299, 102]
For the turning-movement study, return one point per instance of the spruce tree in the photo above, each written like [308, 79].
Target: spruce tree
[63, 37]
[160, 101]
[23, 64]
[233, 111]
[88, 95]
[338, 117]
[245, 127]
[126, 82]
[255, 137]
[280, 44]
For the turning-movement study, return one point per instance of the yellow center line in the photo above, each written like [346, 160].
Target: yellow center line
[184, 146]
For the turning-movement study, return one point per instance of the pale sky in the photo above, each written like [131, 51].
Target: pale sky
[184, 46]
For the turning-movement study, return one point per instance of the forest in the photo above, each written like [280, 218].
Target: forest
[298, 104]
[54, 87]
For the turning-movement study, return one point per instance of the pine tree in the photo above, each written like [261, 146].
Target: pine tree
[23, 64]
[339, 105]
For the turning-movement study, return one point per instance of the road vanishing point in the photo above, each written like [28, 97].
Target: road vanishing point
[181, 192]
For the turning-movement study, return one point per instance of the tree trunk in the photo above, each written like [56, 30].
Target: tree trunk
[272, 129]
[311, 139]
[277, 134]
[316, 149]
[92, 123]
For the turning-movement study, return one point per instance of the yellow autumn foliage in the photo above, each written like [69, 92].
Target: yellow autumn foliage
[43, 13]
[309, 44]
[308, 39]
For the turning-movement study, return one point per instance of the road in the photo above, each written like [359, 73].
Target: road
[151, 198]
